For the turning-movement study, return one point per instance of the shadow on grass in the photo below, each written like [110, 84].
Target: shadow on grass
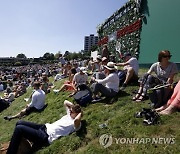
[134, 83]
[111, 100]
[83, 130]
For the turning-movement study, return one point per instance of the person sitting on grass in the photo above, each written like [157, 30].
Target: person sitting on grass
[108, 86]
[80, 78]
[1, 86]
[164, 73]
[45, 83]
[9, 95]
[64, 74]
[21, 89]
[130, 68]
[100, 74]
[68, 85]
[6, 101]
[173, 103]
[37, 103]
[44, 134]
[97, 64]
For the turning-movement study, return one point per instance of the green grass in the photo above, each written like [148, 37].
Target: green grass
[118, 117]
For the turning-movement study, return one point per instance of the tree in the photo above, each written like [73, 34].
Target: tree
[18, 63]
[51, 56]
[67, 55]
[57, 55]
[86, 54]
[94, 48]
[21, 55]
[48, 56]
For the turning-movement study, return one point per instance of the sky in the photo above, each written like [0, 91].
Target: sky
[34, 27]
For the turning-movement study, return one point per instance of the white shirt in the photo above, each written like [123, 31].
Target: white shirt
[111, 81]
[1, 87]
[10, 97]
[61, 127]
[133, 62]
[38, 99]
[80, 79]
[62, 61]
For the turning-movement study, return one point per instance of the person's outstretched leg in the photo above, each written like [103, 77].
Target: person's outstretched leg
[18, 115]
[29, 124]
[35, 135]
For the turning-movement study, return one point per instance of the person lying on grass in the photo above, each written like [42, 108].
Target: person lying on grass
[37, 103]
[44, 134]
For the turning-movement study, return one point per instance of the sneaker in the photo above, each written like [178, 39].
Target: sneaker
[56, 90]
[147, 122]
[7, 118]
[26, 99]
[123, 86]
[96, 99]
[139, 114]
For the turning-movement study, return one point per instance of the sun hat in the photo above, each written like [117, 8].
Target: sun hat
[83, 69]
[110, 66]
[104, 58]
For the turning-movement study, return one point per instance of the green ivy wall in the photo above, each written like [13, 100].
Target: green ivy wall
[160, 30]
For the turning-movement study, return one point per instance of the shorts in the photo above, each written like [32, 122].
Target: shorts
[31, 109]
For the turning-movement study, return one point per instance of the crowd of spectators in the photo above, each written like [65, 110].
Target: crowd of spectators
[103, 81]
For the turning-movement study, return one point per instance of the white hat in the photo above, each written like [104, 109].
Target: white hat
[104, 58]
[83, 69]
[99, 57]
[110, 66]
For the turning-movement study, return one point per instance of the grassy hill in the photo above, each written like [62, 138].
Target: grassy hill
[120, 120]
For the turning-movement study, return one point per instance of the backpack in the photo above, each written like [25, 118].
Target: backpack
[83, 96]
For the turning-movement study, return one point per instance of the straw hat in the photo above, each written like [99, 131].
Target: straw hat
[110, 66]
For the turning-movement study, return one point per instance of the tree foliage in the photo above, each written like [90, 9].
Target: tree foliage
[94, 48]
[48, 56]
[57, 55]
[18, 63]
[21, 55]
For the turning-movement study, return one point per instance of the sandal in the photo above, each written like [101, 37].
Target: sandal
[136, 96]
[141, 98]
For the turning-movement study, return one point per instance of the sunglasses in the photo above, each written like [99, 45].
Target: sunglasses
[167, 56]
